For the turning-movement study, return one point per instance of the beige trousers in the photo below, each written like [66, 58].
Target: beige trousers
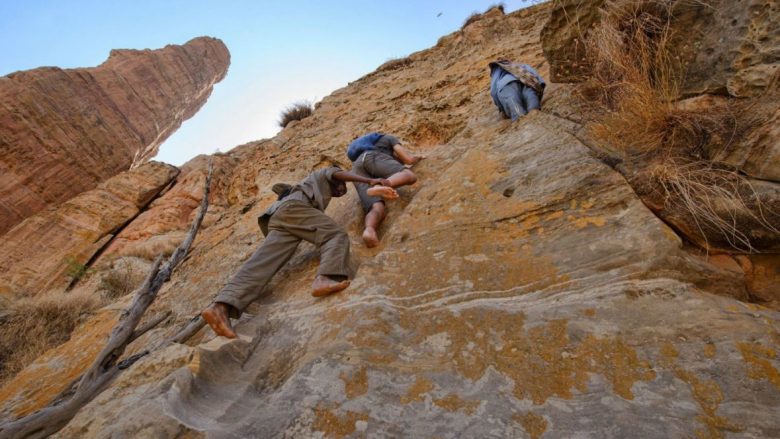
[292, 222]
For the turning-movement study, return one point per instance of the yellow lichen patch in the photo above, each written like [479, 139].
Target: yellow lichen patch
[707, 394]
[710, 350]
[616, 361]
[587, 204]
[453, 403]
[533, 424]
[420, 387]
[583, 222]
[669, 351]
[554, 215]
[335, 426]
[758, 359]
[357, 384]
[541, 361]
[452, 261]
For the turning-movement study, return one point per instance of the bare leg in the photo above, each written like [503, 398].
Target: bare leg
[218, 318]
[403, 178]
[374, 218]
[324, 285]
[405, 156]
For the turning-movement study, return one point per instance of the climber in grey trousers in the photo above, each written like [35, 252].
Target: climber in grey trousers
[297, 215]
[516, 89]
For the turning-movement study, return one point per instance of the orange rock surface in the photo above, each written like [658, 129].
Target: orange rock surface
[63, 132]
[38, 253]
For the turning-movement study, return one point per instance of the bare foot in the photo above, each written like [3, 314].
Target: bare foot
[218, 319]
[385, 192]
[370, 238]
[323, 285]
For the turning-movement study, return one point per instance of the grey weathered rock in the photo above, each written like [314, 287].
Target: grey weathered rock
[559, 303]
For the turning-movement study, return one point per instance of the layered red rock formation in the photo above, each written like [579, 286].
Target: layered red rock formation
[62, 132]
[47, 250]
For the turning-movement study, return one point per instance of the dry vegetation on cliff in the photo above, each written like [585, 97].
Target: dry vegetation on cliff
[476, 16]
[634, 85]
[296, 111]
[32, 325]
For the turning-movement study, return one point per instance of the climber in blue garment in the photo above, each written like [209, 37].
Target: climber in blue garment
[516, 89]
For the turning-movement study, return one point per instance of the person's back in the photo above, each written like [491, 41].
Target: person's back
[297, 215]
[386, 159]
[515, 88]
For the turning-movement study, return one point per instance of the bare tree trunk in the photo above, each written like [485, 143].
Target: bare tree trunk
[107, 366]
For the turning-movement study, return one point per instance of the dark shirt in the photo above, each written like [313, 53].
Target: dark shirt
[314, 189]
[386, 143]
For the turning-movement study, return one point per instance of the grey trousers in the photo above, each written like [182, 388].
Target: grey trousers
[517, 100]
[373, 164]
[292, 222]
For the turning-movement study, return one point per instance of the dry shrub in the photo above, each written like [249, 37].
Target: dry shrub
[633, 80]
[154, 247]
[718, 199]
[121, 279]
[296, 111]
[32, 325]
[476, 16]
[634, 89]
[394, 64]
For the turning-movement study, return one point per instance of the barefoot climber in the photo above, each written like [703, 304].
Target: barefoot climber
[297, 214]
[385, 160]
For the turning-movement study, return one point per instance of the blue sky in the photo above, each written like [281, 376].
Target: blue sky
[270, 43]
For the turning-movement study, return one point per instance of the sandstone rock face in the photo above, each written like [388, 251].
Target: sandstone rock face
[563, 38]
[521, 288]
[38, 253]
[65, 131]
[725, 46]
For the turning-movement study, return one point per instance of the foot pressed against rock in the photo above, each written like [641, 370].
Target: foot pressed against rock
[370, 237]
[385, 192]
[218, 319]
[323, 285]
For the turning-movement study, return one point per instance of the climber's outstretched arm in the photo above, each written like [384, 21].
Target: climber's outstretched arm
[404, 156]
[348, 176]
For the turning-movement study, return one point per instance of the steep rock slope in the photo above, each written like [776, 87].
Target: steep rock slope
[521, 289]
[65, 131]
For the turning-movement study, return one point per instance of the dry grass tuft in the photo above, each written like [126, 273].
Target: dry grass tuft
[153, 247]
[122, 278]
[634, 89]
[476, 16]
[32, 325]
[718, 200]
[296, 111]
[633, 80]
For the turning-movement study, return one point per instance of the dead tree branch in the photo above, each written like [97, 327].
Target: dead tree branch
[107, 366]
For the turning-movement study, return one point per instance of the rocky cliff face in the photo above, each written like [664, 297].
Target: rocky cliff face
[521, 288]
[65, 131]
[722, 46]
[45, 251]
